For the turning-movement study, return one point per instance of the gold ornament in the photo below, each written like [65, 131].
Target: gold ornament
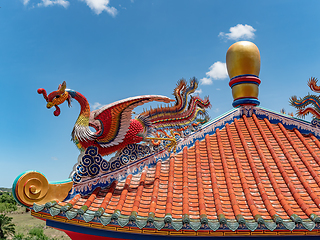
[243, 58]
[33, 187]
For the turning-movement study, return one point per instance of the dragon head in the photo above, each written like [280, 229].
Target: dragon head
[56, 98]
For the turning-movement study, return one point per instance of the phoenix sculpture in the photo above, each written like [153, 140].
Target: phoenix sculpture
[113, 123]
[309, 104]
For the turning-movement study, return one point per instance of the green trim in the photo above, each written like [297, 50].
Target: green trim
[195, 225]
[240, 219]
[296, 218]
[71, 214]
[232, 225]
[177, 225]
[54, 211]
[116, 214]
[288, 224]
[123, 221]
[214, 225]
[185, 219]
[151, 217]
[88, 217]
[222, 218]
[66, 207]
[133, 216]
[271, 225]
[50, 204]
[38, 208]
[251, 225]
[203, 219]
[277, 219]
[159, 225]
[61, 182]
[314, 218]
[168, 218]
[285, 115]
[99, 212]
[105, 220]
[141, 223]
[221, 116]
[259, 219]
[83, 209]
[308, 224]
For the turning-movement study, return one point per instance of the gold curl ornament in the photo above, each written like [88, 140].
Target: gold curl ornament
[33, 187]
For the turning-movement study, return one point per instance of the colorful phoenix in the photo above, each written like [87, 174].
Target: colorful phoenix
[114, 128]
[302, 103]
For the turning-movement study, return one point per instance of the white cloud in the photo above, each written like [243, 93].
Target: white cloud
[54, 158]
[217, 71]
[98, 6]
[239, 32]
[46, 3]
[96, 105]
[218, 89]
[199, 91]
[206, 81]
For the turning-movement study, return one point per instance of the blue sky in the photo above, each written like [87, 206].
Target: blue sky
[111, 50]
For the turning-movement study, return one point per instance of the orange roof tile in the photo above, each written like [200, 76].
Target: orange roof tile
[246, 170]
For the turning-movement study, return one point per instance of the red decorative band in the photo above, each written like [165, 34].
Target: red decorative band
[244, 79]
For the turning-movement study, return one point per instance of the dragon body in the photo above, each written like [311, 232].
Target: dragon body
[114, 128]
[308, 104]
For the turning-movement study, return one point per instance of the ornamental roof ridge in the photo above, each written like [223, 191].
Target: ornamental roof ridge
[118, 169]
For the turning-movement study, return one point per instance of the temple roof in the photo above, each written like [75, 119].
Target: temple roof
[250, 170]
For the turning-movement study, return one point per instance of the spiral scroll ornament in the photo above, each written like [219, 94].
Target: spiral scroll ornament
[92, 164]
[33, 187]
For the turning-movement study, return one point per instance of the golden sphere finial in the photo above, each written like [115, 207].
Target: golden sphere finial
[243, 58]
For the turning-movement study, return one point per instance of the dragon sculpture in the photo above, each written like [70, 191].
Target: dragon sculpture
[114, 128]
[302, 103]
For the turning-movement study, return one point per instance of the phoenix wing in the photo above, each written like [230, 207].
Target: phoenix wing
[113, 120]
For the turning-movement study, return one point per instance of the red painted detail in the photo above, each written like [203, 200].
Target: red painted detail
[82, 236]
[246, 79]
[130, 138]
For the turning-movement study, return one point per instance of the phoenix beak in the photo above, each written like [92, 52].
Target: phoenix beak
[49, 105]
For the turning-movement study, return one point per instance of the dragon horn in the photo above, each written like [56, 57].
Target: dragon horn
[62, 87]
[44, 92]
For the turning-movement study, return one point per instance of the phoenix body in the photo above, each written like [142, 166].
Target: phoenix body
[113, 123]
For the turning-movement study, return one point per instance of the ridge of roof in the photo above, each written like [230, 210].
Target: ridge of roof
[150, 200]
[137, 157]
[251, 174]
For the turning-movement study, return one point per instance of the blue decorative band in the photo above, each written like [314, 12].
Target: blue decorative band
[244, 82]
[246, 101]
[245, 75]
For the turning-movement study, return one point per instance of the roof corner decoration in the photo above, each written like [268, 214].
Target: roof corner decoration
[33, 187]
[243, 65]
[302, 104]
[153, 130]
